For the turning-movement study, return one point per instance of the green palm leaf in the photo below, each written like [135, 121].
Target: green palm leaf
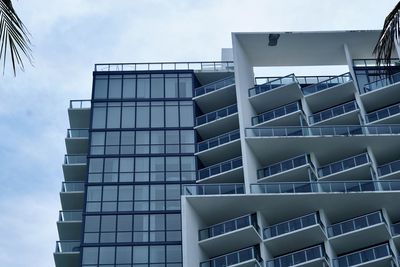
[389, 35]
[14, 37]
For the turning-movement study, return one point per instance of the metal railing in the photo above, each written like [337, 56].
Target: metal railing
[68, 187]
[75, 159]
[344, 164]
[388, 80]
[334, 81]
[292, 225]
[212, 189]
[247, 254]
[220, 168]
[67, 246]
[389, 168]
[228, 226]
[345, 130]
[215, 115]
[78, 133]
[333, 112]
[355, 224]
[214, 86]
[383, 113]
[302, 80]
[79, 104]
[395, 229]
[272, 84]
[298, 257]
[283, 166]
[325, 187]
[276, 113]
[196, 65]
[70, 215]
[372, 62]
[218, 140]
[363, 256]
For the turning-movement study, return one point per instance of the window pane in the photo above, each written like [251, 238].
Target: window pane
[125, 193]
[126, 165]
[94, 193]
[143, 88]
[109, 193]
[157, 254]
[95, 165]
[114, 88]
[111, 165]
[125, 223]
[157, 164]
[140, 254]
[128, 117]
[173, 222]
[100, 88]
[89, 255]
[171, 116]
[157, 87]
[157, 116]
[174, 254]
[97, 138]
[113, 117]
[108, 223]
[124, 255]
[143, 117]
[171, 87]
[186, 116]
[172, 164]
[99, 118]
[188, 164]
[92, 223]
[141, 223]
[185, 87]
[107, 255]
[129, 88]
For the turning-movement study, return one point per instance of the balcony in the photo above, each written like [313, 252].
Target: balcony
[395, 231]
[248, 257]
[380, 255]
[219, 148]
[285, 115]
[217, 122]
[227, 171]
[309, 229]
[212, 189]
[298, 168]
[387, 115]
[380, 93]
[344, 114]
[330, 92]
[323, 141]
[358, 167]
[69, 224]
[230, 235]
[389, 171]
[325, 187]
[75, 167]
[216, 94]
[309, 257]
[77, 141]
[72, 195]
[67, 254]
[79, 114]
[269, 94]
[366, 230]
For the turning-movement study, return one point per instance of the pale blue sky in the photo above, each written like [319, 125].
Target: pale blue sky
[69, 36]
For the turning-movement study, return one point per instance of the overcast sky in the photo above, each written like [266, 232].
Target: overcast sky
[69, 37]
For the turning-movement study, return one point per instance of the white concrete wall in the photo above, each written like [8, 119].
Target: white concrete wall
[191, 224]
[244, 78]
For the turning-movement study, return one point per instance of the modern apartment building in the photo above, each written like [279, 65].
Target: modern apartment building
[213, 164]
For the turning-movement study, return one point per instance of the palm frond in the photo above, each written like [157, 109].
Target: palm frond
[389, 34]
[14, 37]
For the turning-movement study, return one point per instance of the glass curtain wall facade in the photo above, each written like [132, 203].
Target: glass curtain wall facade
[141, 149]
